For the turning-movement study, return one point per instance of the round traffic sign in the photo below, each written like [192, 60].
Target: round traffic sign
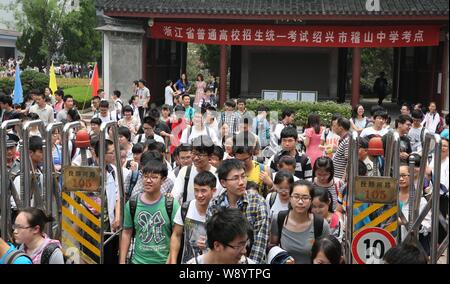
[370, 245]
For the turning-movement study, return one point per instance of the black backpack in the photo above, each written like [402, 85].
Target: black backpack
[184, 210]
[272, 199]
[317, 223]
[10, 258]
[47, 253]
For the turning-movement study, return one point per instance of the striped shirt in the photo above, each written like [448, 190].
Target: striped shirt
[340, 158]
[303, 168]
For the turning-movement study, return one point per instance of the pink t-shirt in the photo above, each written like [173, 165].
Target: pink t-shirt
[313, 151]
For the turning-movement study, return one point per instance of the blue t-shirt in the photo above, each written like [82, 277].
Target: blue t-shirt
[19, 260]
[444, 133]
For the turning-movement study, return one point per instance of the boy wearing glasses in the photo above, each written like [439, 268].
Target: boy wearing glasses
[148, 219]
[190, 221]
[202, 149]
[233, 178]
[227, 233]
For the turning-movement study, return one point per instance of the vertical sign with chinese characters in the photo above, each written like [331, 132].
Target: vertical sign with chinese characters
[312, 36]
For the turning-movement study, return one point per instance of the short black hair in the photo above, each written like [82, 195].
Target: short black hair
[242, 101]
[230, 103]
[362, 168]
[117, 93]
[138, 148]
[375, 108]
[203, 144]
[35, 143]
[227, 166]
[225, 225]
[281, 176]
[330, 246]
[218, 152]
[157, 146]
[127, 108]
[149, 120]
[66, 97]
[150, 156]
[286, 159]
[60, 93]
[205, 179]
[97, 147]
[96, 120]
[73, 113]
[95, 98]
[104, 104]
[324, 163]
[155, 167]
[124, 131]
[403, 118]
[363, 142]
[344, 123]
[286, 112]
[182, 148]
[406, 253]
[289, 132]
[417, 114]
[382, 113]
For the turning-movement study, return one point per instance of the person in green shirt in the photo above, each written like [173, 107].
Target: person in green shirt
[148, 218]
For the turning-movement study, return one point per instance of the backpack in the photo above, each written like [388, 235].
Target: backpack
[10, 258]
[184, 209]
[133, 204]
[118, 114]
[47, 253]
[272, 199]
[440, 126]
[317, 224]
[186, 183]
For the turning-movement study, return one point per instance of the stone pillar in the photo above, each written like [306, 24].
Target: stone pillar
[223, 75]
[122, 57]
[356, 75]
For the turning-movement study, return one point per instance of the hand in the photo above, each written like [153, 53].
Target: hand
[134, 166]
[404, 156]
[116, 224]
[424, 231]
[265, 178]
[201, 242]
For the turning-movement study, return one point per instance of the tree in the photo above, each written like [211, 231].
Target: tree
[81, 42]
[40, 22]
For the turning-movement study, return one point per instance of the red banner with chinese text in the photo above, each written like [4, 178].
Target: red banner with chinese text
[309, 36]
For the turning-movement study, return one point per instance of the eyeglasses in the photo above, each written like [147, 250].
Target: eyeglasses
[297, 197]
[282, 190]
[17, 227]
[244, 159]
[153, 178]
[404, 175]
[200, 155]
[237, 178]
[240, 246]
[187, 158]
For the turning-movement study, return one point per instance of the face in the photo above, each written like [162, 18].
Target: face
[152, 182]
[203, 194]
[321, 258]
[69, 103]
[103, 111]
[362, 154]
[198, 119]
[404, 177]
[403, 128]
[444, 148]
[319, 207]
[57, 98]
[165, 113]
[11, 153]
[379, 122]
[246, 158]
[215, 161]
[404, 110]
[360, 110]
[241, 107]
[55, 137]
[95, 127]
[37, 156]
[334, 125]
[137, 157]
[183, 76]
[300, 199]
[288, 143]
[185, 158]
[201, 160]
[109, 154]
[232, 252]
[322, 176]
[236, 182]
[47, 91]
[229, 108]
[123, 140]
[148, 130]
[290, 119]
[186, 101]
[283, 189]
[23, 233]
[40, 101]
[123, 157]
[127, 115]
[432, 107]
[287, 168]
[417, 122]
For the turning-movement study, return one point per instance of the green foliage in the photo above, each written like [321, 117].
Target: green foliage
[30, 79]
[210, 56]
[303, 109]
[374, 61]
[81, 43]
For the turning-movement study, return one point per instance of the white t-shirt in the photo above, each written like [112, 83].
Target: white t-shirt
[168, 94]
[194, 133]
[178, 187]
[371, 131]
[444, 171]
[111, 116]
[416, 142]
[277, 205]
[192, 214]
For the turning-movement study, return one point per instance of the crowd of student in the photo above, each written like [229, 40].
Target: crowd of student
[199, 190]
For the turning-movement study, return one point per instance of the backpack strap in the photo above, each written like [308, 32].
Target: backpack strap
[318, 226]
[47, 253]
[272, 199]
[11, 257]
[184, 210]
[169, 208]
[133, 205]
[186, 183]
[133, 180]
[280, 222]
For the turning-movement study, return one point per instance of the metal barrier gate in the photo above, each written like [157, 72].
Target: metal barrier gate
[83, 227]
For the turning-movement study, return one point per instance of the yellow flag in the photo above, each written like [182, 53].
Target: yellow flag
[52, 84]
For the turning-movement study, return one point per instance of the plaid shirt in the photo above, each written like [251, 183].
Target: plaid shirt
[232, 120]
[255, 210]
[166, 187]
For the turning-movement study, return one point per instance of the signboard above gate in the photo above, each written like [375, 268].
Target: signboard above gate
[308, 36]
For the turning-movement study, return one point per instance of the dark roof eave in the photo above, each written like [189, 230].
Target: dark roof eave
[406, 18]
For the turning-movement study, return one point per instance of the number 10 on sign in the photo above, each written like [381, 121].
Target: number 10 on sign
[370, 245]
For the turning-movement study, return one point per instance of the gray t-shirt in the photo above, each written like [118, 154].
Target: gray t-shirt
[298, 244]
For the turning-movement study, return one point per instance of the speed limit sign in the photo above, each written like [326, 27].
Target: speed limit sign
[370, 245]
